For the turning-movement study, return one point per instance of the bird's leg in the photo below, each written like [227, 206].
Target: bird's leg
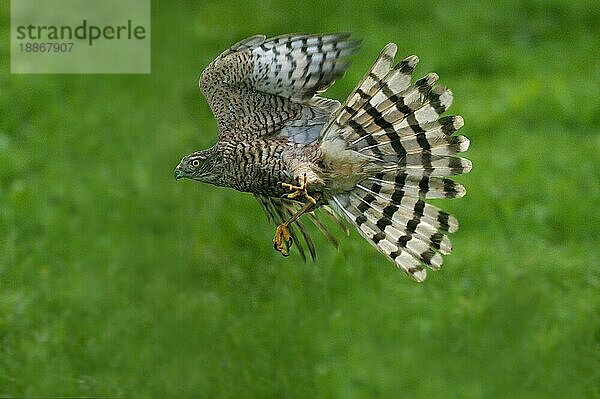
[300, 190]
[283, 239]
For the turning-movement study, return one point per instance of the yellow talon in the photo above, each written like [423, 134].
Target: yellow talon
[299, 190]
[282, 240]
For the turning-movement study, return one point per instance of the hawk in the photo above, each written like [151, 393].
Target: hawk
[371, 161]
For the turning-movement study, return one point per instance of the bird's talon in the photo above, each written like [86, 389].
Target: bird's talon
[300, 190]
[283, 240]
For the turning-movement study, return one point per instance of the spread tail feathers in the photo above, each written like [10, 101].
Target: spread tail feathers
[396, 125]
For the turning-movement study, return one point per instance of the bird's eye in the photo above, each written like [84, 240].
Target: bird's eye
[195, 163]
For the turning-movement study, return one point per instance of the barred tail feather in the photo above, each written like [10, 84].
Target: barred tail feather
[395, 125]
[386, 240]
[409, 232]
[414, 186]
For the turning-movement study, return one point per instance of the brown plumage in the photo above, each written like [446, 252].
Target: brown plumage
[371, 161]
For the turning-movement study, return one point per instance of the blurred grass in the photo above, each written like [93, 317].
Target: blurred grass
[117, 281]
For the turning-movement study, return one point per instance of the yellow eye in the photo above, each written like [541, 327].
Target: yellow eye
[195, 163]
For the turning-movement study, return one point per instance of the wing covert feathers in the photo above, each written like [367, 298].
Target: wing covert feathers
[258, 86]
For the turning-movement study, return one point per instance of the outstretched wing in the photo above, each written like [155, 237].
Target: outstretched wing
[279, 210]
[258, 85]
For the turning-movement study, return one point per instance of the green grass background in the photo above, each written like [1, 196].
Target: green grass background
[117, 281]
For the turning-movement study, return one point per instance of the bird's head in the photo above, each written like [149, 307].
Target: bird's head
[199, 165]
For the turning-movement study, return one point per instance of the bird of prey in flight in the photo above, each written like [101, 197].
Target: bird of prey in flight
[371, 161]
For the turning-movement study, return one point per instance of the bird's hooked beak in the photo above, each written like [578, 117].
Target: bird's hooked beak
[179, 173]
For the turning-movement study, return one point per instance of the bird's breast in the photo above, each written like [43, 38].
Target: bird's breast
[256, 167]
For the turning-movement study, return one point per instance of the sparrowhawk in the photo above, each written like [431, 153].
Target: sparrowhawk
[371, 161]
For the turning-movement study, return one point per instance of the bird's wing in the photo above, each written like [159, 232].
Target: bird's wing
[279, 210]
[259, 85]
